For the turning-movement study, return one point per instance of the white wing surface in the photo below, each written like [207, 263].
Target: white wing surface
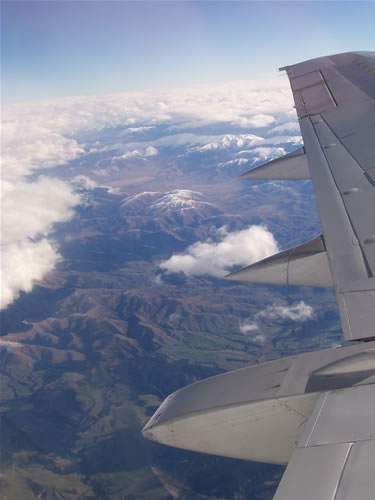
[335, 101]
[314, 411]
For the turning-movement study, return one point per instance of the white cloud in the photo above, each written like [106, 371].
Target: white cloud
[157, 280]
[254, 121]
[174, 317]
[291, 127]
[43, 135]
[259, 339]
[136, 130]
[248, 326]
[27, 148]
[216, 258]
[257, 101]
[296, 312]
[31, 208]
[22, 263]
[84, 182]
[251, 330]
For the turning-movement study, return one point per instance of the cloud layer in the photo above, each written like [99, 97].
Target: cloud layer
[217, 258]
[40, 136]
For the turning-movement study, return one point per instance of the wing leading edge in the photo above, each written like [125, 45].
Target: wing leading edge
[314, 410]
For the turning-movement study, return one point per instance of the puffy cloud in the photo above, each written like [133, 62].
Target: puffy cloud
[251, 330]
[38, 136]
[31, 208]
[260, 339]
[296, 312]
[216, 258]
[23, 262]
[27, 148]
[84, 182]
[248, 326]
[29, 211]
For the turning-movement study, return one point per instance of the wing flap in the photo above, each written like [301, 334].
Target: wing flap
[292, 166]
[261, 412]
[335, 103]
[358, 477]
[313, 473]
[337, 448]
[303, 265]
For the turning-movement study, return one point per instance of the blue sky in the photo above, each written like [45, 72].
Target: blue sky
[52, 49]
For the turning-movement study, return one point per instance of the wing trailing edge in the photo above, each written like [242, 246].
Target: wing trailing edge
[292, 166]
[261, 412]
[337, 448]
[319, 404]
[303, 265]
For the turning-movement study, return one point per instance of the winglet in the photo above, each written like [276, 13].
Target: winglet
[292, 166]
[303, 265]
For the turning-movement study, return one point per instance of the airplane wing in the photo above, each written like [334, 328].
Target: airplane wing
[335, 103]
[315, 411]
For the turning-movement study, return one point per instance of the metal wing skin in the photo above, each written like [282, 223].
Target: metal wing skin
[315, 411]
[335, 101]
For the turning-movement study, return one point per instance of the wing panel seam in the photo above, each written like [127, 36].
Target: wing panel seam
[367, 266]
[341, 143]
[317, 418]
[328, 89]
[342, 471]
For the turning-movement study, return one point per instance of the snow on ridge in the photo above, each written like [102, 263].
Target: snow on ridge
[229, 141]
[178, 199]
[244, 142]
[139, 153]
[181, 199]
[263, 153]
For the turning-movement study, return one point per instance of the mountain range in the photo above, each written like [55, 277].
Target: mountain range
[88, 355]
